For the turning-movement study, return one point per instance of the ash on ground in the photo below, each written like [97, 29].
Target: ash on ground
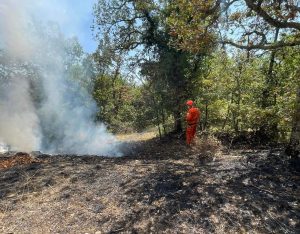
[158, 187]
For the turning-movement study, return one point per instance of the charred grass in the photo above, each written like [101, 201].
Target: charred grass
[159, 186]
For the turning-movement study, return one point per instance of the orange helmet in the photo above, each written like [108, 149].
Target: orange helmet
[189, 102]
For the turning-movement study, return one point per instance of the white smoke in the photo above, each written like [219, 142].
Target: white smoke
[62, 122]
[19, 124]
[13, 31]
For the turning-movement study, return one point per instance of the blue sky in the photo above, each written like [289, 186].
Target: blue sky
[74, 17]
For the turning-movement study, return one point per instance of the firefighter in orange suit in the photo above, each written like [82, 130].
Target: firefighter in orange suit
[192, 118]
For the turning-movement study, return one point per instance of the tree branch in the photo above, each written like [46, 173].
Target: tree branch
[272, 46]
[293, 7]
[274, 22]
[211, 10]
[262, 35]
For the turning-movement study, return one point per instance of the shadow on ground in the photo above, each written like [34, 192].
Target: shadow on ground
[158, 187]
[224, 196]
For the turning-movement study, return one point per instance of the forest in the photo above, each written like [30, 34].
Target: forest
[238, 60]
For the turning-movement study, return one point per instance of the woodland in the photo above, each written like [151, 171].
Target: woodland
[238, 60]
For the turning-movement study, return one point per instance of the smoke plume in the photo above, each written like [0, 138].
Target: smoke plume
[44, 110]
[21, 131]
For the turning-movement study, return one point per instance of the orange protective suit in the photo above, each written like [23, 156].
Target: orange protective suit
[192, 118]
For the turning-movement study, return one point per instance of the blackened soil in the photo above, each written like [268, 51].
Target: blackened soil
[157, 187]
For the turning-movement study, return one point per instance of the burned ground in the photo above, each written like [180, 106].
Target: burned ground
[158, 187]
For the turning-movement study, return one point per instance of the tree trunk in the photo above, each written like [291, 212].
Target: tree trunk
[177, 76]
[163, 120]
[226, 119]
[114, 93]
[177, 123]
[269, 96]
[293, 148]
[238, 98]
[206, 116]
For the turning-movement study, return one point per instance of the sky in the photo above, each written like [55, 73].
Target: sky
[74, 17]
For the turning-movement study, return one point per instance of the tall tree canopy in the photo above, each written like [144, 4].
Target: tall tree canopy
[174, 46]
[137, 24]
[246, 24]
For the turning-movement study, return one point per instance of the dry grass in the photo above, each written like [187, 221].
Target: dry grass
[17, 159]
[144, 136]
[208, 146]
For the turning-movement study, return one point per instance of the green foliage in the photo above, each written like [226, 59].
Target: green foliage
[170, 75]
[236, 90]
[246, 24]
[190, 21]
[232, 92]
[116, 101]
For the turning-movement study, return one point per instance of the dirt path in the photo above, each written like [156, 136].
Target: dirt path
[157, 188]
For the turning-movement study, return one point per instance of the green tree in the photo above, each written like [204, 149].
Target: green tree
[141, 25]
[245, 24]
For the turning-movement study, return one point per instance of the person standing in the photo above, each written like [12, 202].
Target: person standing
[192, 118]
